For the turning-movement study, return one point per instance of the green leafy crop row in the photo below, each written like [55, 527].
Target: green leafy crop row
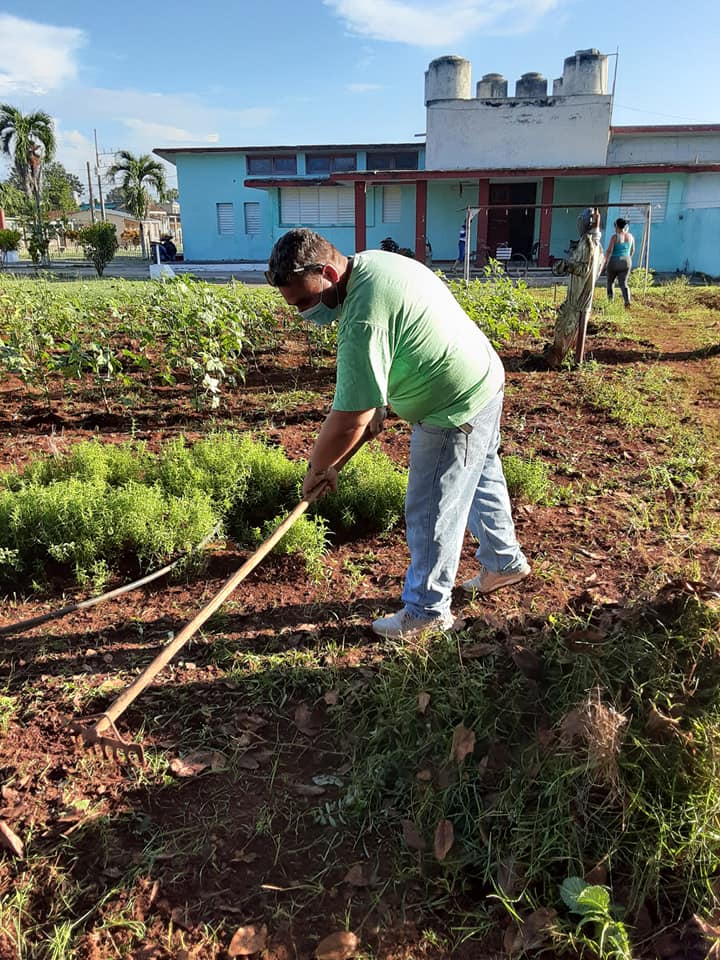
[102, 504]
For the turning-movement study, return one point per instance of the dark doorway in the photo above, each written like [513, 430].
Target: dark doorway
[514, 226]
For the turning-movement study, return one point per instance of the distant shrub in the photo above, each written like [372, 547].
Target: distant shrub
[100, 244]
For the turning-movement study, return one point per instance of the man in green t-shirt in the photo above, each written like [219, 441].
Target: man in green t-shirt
[403, 340]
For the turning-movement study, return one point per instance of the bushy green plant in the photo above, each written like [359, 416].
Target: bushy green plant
[503, 308]
[640, 278]
[527, 479]
[307, 536]
[370, 495]
[100, 244]
[9, 240]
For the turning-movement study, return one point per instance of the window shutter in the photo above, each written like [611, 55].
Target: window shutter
[225, 218]
[655, 193]
[346, 205]
[317, 206]
[252, 218]
[391, 203]
[308, 204]
[290, 205]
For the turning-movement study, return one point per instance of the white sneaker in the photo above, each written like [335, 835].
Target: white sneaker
[486, 581]
[404, 625]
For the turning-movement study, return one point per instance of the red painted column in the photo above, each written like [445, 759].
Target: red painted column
[420, 219]
[547, 194]
[481, 247]
[360, 217]
[2, 219]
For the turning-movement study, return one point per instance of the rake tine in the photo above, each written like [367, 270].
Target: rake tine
[92, 733]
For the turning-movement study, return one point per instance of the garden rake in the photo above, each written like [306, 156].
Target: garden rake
[99, 730]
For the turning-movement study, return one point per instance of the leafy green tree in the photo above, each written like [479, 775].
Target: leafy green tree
[136, 174]
[14, 202]
[61, 188]
[29, 140]
[100, 243]
[172, 194]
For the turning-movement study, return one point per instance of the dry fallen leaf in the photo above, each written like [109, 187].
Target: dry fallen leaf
[359, 875]
[9, 839]
[424, 776]
[412, 836]
[307, 789]
[535, 931]
[331, 697]
[473, 651]
[307, 721]
[444, 839]
[338, 946]
[659, 725]
[247, 762]
[463, 743]
[423, 702]
[196, 762]
[248, 940]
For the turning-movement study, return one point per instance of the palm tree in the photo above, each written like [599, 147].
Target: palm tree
[30, 141]
[136, 174]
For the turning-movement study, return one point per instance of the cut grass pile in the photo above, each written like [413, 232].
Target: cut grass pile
[104, 504]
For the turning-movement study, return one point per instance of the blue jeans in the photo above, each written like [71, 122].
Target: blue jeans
[456, 481]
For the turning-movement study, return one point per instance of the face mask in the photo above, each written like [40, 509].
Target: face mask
[321, 314]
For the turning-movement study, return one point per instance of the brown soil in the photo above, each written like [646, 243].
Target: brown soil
[236, 849]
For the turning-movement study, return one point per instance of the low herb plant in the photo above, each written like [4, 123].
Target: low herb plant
[607, 937]
[526, 479]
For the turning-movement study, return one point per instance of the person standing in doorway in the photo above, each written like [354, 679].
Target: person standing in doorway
[618, 260]
[404, 340]
[462, 239]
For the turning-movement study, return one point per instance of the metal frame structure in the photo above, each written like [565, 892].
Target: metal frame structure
[472, 212]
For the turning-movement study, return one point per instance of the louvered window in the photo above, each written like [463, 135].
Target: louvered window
[317, 206]
[225, 218]
[252, 218]
[391, 204]
[655, 193]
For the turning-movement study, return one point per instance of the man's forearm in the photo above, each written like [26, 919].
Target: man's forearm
[338, 435]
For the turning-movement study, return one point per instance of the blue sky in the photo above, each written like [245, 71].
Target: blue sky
[326, 71]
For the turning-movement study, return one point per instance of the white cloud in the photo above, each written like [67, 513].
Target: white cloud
[423, 23]
[36, 57]
[164, 133]
[363, 87]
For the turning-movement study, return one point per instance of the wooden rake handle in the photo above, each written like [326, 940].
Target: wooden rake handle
[91, 734]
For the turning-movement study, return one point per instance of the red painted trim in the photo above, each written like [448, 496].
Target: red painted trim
[420, 219]
[660, 130]
[517, 173]
[360, 217]
[2, 219]
[482, 223]
[547, 196]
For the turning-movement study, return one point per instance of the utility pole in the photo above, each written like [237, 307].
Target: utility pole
[90, 192]
[97, 171]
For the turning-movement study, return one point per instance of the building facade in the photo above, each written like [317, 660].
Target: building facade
[526, 162]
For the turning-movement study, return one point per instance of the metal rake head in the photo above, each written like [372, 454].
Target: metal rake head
[93, 735]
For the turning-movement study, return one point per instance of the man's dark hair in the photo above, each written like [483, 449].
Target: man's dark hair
[298, 248]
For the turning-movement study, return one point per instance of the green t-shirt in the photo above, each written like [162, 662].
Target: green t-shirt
[404, 340]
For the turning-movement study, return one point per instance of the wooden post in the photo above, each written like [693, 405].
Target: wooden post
[360, 217]
[420, 219]
[548, 190]
[482, 223]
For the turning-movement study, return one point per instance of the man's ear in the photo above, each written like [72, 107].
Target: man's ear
[331, 272]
